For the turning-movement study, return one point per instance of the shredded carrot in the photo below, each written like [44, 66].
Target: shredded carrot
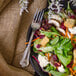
[48, 57]
[71, 70]
[74, 72]
[72, 37]
[62, 34]
[32, 40]
[49, 74]
[31, 45]
[66, 34]
[45, 54]
[26, 43]
[35, 39]
[72, 40]
[73, 66]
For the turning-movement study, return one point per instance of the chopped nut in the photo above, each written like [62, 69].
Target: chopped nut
[44, 41]
[74, 56]
[70, 23]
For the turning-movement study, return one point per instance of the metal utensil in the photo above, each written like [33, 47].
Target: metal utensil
[35, 25]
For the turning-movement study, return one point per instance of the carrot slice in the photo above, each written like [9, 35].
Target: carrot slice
[49, 74]
[48, 57]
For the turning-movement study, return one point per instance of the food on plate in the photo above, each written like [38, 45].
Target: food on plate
[55, 41]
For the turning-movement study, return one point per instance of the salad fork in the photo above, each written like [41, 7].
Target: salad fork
[35, 25]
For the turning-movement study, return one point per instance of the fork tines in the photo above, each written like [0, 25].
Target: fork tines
[38, 16]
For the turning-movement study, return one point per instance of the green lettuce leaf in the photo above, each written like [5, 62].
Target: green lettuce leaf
[49, 67]
[54, 29]
[65, 60]
[55, 73]
[49, 34]
[44, 49]
[54, 41]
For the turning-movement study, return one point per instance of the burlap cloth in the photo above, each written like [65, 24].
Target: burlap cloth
[13, 30]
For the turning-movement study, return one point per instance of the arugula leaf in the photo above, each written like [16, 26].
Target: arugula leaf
[55, 73]
[65, 60]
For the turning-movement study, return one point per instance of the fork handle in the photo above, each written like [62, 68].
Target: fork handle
[25, 59]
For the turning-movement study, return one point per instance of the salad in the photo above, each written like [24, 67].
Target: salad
[55, 41]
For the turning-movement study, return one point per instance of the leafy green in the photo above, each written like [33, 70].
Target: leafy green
[63, 46]
[47, 49]
[62, 49]
[54, 41]
[67, 70]
[55, 73]
[67, 47]
[44, 49]
[48, 44]
[64, 41]
[34, 49]
[41, 53]
[64, 60]
[54, 29]
[49, 67]
[49, 34]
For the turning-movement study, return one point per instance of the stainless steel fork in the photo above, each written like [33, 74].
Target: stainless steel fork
[35, 25]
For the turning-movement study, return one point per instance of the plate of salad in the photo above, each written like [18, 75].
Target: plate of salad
[53, 49]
